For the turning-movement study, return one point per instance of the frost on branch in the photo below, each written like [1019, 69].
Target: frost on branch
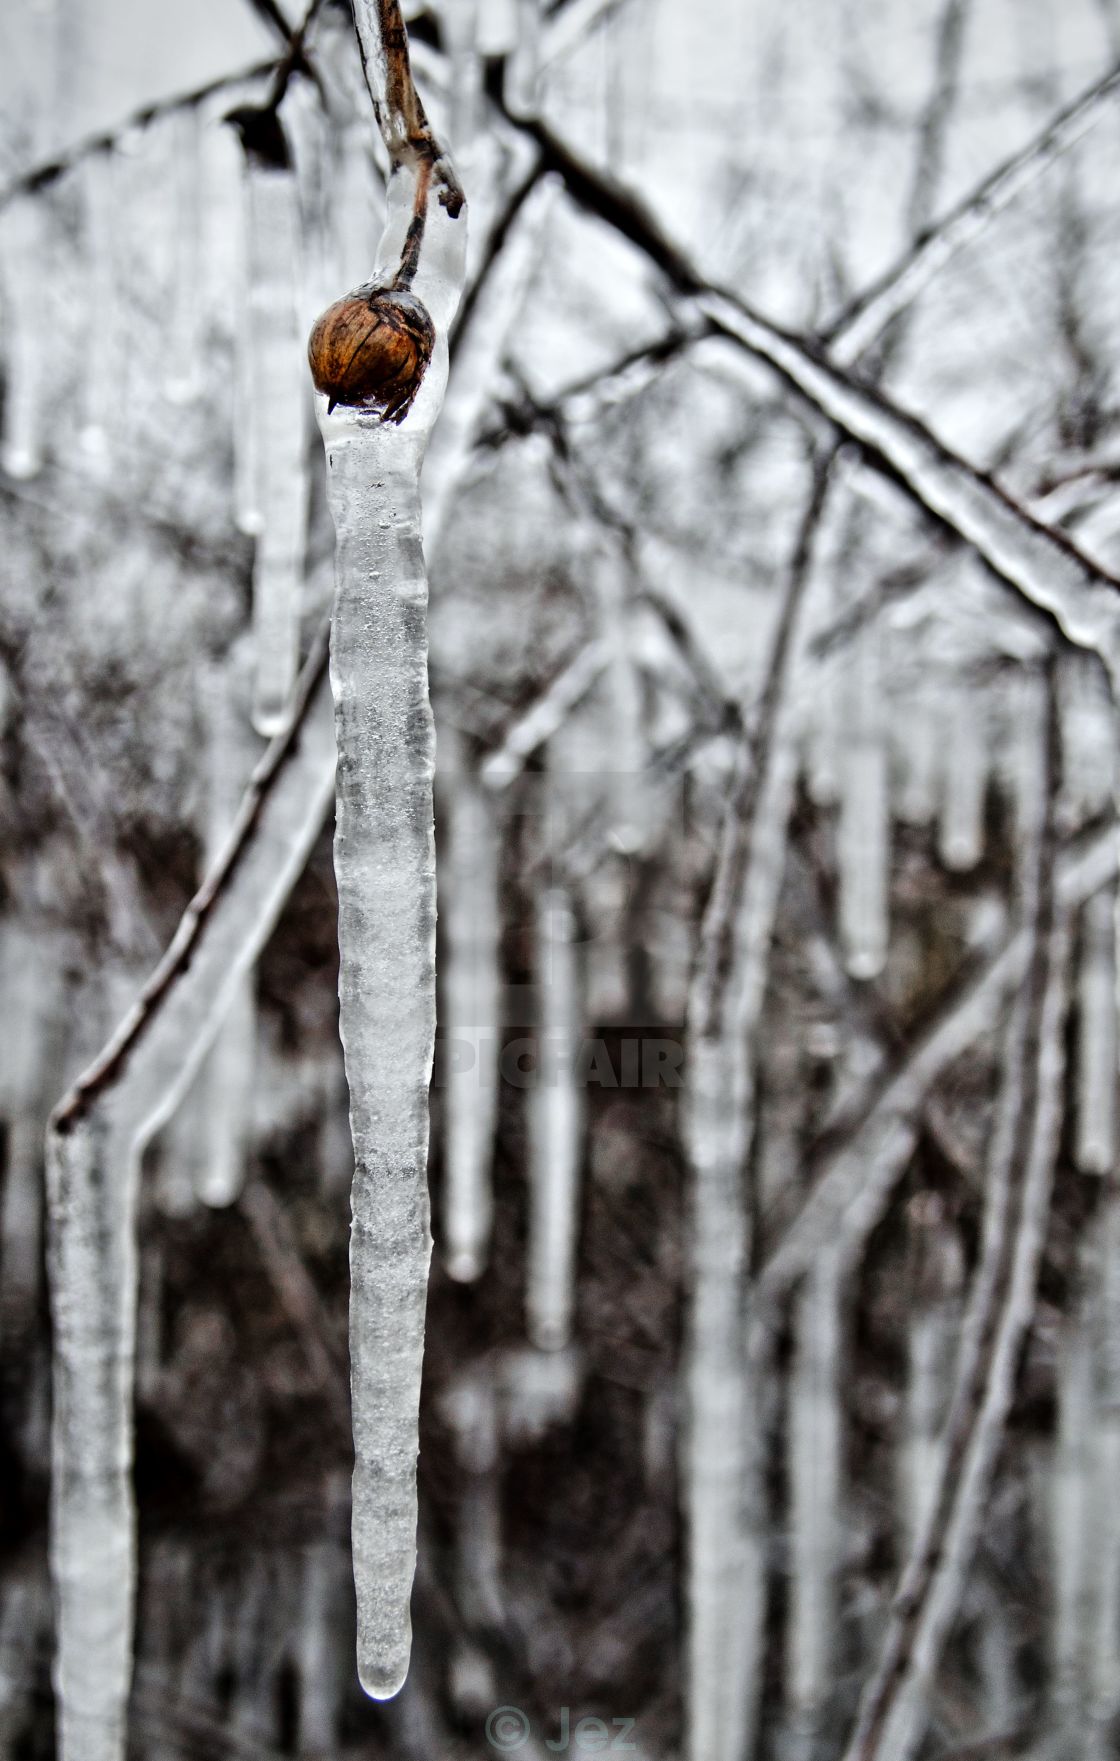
[379, 361]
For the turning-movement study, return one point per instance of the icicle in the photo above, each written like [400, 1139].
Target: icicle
[815, 1438]
[275, 372]
[184, 343]
[965, 781]
[471, 1012]
[1096, 1042]
[28, 355]
[471, 1409]
[384, 860]
[629, 805]
[358, 205]
[540, 1390]
[96, 1138]
[1088, 738]
[523, 68]
[247, 511]
[479, 350]
[823, 743]
[322, 1602]
[101, 302]
[918, 736]
[863, 848]
[459, 20]
[555, 1127]
[180, 1165]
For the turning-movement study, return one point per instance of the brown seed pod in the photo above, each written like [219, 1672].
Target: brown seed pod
[370, 350]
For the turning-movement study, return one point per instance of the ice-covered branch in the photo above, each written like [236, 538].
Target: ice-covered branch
[94, 1144]
[1041, 564]
[724, 1007]
[865, 318]
[379, 361]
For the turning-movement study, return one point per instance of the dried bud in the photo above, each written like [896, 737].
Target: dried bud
[370, 351]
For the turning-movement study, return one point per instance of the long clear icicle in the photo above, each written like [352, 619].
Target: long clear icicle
[471, 1005]
[385, 868]
[277, 392]
[555, 1126]
[96, 1138]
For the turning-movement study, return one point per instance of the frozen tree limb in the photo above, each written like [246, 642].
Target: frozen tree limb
[853, 331]
[379, 360]
[94, 1144]
[725, 1589]
[1041, 564]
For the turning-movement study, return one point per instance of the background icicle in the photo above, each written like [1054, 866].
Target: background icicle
[471, 919]
[555, 1124]
[275, 389]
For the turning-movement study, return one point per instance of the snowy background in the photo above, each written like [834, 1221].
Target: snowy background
[803, 1242]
